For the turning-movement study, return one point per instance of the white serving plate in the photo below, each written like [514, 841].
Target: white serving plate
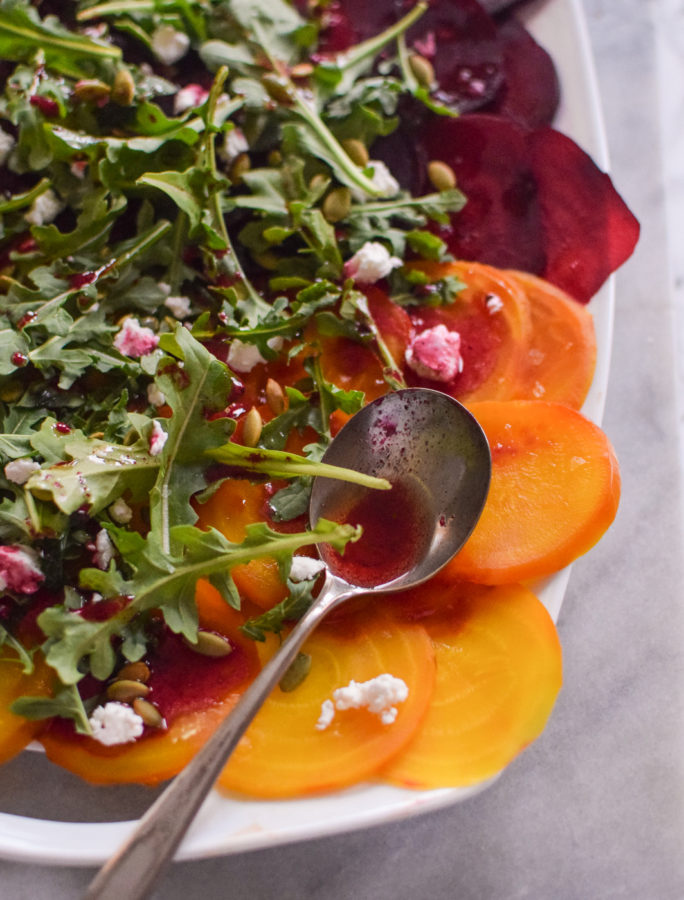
[226, 825]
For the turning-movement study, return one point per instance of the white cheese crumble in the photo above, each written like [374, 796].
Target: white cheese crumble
[379, 695]
[435, 353]
[155, 397]
[234, 144]
[305, 569]
[7, 143]
[370, 263]
[382, 179]
[115, 723]
[157, 439]
[120, 511]
[104, 550]
[169, 45]
[494, 303]
[19, 569]
[135, 339]
[242, 357]
[192, 95]
[44, 208]
[179, 306]
[20, 470]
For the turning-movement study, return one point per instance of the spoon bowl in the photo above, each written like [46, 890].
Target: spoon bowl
[435, 455]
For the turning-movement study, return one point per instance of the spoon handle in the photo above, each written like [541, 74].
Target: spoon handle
[132, 871]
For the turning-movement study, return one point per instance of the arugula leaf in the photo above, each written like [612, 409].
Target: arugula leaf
[23, 33]
[195, 384]
[66, 703]
[168, 583]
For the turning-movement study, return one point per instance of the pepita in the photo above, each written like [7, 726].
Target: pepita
[277, 88]
[337, 204]
[301, 70]
[442, 176]
[135, 671]
[275, 396]
[123, 89]
[356, 151]
[149, 713]
[423, 70]
[241, 165]
[251, 429]
[91, 90]
[296, 673]
[210, 644]
[125, 690]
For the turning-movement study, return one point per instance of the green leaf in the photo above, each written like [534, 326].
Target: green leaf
[23, 33]
[66, 704]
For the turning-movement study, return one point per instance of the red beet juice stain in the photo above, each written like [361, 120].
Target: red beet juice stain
[395, 537]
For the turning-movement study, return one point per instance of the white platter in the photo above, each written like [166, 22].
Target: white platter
[227, 825]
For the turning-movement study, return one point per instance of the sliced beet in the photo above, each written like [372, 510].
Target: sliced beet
[457, 36]
[530, 90]
[536, 201]
[501, 221]
[589, 231]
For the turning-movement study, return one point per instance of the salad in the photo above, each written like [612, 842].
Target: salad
[224, 227]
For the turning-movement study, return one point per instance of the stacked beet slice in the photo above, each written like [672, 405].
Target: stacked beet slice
[536, 201]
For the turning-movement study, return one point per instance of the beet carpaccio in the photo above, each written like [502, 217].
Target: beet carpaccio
[224, 228]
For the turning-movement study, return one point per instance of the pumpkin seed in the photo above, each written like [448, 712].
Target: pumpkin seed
[91, 90]
[296, 673]
[356, 151]
[441, 176]
[301, 70]
[241, 165]
[277, 88]
[123, 89]
[135, 671]
[423, 70]
[251, 429]
[210, 644]
[148, 712]
[337, 204]
[125, 690]
[275, 396]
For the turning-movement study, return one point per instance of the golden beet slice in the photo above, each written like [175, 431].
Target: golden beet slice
[491, 314]
[561, 356]
[555, 490]
[15, 731]
[498, 662]
[283, 754]
[194, 693]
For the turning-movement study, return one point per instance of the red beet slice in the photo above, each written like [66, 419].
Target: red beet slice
[536, 201]
[501, 222]
[457, 36]
[588, 229]
[530, 91]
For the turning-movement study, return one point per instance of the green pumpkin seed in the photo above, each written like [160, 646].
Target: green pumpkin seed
[442, 176]
[356, 151]
[297, 672]
[135, 671]
[423, 70]
[337, 204]
[148, 712]
[124, 690]
[210, 644]
[251, 430]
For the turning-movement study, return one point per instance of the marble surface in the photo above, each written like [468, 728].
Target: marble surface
[595, 808]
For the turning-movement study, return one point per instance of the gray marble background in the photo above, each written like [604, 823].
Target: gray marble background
[595, 808]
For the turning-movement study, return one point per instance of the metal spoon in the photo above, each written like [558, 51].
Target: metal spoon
[420, 439]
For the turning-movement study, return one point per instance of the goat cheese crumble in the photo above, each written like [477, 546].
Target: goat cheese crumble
[379, 695]
[370, 263]
[19, 570]
[46, 207]
[189, 97]
[169, 45]
[242, 357]
[115, 723]
[435, 353]
[179, 306]
[104, 550]
[19, 471]
[7, 143]
[381, 178]
[134, 339]
[304, 568]
[157, 439]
